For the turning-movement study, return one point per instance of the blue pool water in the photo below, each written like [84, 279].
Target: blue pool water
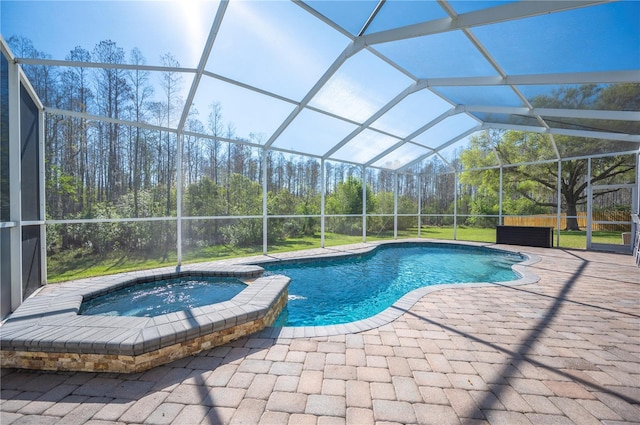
[163, 296]
[334, 291]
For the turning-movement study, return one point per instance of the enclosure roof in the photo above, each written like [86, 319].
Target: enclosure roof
[379, 83]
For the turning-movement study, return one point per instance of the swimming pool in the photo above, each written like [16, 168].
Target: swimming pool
[334, 291]
[46, 331]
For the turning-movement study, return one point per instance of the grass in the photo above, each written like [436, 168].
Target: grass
[568, 238]
[79, 264]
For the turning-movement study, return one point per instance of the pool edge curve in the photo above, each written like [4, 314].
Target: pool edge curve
[408, 300]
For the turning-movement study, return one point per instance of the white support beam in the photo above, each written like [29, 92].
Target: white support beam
[395, 205]
[259, 146]
[602, 77]
[523, 128]
[484, 52]
[603, 135]
[33, 95]
[409, 138]
[353, 48]
[386, 152]
[6, 51]
[555, 146]
[417, 86]
[229, 140]
[332, 115]
[419, 178]
[558, 203]
[588, 114]
[458, 138]
[455, 206]
[248, 87]
[437, 149]
[323, 18]
[265, 222]
[556, 113]
[364, 203]
[215, 27]
[15, 183]
[392, 63]
[589, 205]
[545, 161]
[488, 109]
[371, 17]
[179, 185]
[84, 115]
[430, 124]
[500, 196]
[446, 162]
[566, 132]
[525, 101]
[102, 65]
[448, 8]
[492, 15]
[42, 182]
[323, 189]
[124, 220]
[448, 143]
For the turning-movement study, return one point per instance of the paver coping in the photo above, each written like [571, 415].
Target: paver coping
[51, 321]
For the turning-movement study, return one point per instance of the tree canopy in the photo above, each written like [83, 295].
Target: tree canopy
[533, 188]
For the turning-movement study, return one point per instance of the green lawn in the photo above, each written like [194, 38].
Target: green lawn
[78, 264]
[568, 239]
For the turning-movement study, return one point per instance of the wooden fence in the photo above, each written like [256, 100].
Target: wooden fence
[551, 220]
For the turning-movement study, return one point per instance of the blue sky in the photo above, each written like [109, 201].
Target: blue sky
[279, 47]
[56, 27]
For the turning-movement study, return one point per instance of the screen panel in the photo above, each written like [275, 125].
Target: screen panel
[597, 38]
[395, 14]
[30, 158]
[5, 272]
[31, 260]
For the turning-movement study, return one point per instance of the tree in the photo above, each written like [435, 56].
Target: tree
[216, 127]
[538, 184]
[193, 160]
[141, 92]
[171, 84]
[245, 198]
[347, 198]
[78, 84]
[43, 78]
[68, 162]
[112, 91]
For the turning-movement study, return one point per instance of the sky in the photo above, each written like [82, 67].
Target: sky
[282, 49]
[185, 26]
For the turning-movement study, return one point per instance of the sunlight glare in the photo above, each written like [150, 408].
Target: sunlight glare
[196, 23]
[346, 97]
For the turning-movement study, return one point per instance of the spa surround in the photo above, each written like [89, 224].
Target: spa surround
[47, 332]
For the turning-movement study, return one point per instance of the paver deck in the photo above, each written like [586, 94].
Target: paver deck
[563, 350]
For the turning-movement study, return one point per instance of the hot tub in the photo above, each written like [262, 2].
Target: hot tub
[46, 332]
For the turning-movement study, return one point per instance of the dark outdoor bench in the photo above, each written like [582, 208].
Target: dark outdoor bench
[525, 235]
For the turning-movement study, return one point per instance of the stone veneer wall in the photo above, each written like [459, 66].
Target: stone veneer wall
[133, 364]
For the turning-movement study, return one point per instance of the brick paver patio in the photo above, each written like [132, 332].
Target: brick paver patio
[565, 350]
